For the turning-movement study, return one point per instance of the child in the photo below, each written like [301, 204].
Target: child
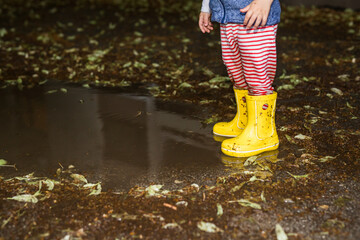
[248, 33]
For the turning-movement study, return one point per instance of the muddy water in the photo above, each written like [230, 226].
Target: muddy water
[119, 139]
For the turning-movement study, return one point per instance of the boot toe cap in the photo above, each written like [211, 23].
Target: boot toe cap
[226, 129]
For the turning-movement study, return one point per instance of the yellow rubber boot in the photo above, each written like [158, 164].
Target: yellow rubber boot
[237, 125]
[260, 133]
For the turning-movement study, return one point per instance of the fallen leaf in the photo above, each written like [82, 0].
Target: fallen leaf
[302, 137]
[326, 158]
[152, 216]
[165, 192]
[64, 90]
[298, 176]
[25, 198]
[337, 91]
[207, 72]
[219, 79]
[124, 216]
[207, 101]
[286, 87]
[44, 71]
[28, 177]
[186, 40]
[43, 82]
[3, 162]
[139, 65]
[212, 119]
[51, 91]
[50, 184]
[344, 77]
[325, 207]
[182, 203]
[220, 210]
[185, 85]
[3, 32]
[246, 203]
[123, 83]
[288, 200]
[96, 188]
[348, 105]
[334, 223]
[38, 191]
[280, 233]
[262, 196]
[254, 178]
[153, 189]
[79, 177]
[126, 65]
[250, 161]
[171, 226]
[208, 227]
[289, 139]
[238, 187]
[196, 186]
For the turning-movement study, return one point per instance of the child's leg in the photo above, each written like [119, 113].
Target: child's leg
[257, 56]
[250, 57]
[258, 53]
[232, 60]
[231, 57]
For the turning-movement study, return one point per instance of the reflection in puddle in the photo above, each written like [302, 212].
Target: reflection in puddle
[259, 166]
[121, 140]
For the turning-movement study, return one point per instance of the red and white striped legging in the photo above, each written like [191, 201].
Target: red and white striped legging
[250, 57]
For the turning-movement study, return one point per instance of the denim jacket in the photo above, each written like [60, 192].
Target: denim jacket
[228, 11]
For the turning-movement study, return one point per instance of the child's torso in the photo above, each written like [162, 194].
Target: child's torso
[228, 11]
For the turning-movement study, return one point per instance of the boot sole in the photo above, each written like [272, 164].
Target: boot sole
[250, 153]
[222, 135]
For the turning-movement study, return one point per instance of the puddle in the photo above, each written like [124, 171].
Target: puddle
[119, 139]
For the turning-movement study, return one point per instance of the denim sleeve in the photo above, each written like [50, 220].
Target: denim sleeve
[205, 6]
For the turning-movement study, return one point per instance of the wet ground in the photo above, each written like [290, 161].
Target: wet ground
[333, 3]
[164, 90]
[120, 139]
